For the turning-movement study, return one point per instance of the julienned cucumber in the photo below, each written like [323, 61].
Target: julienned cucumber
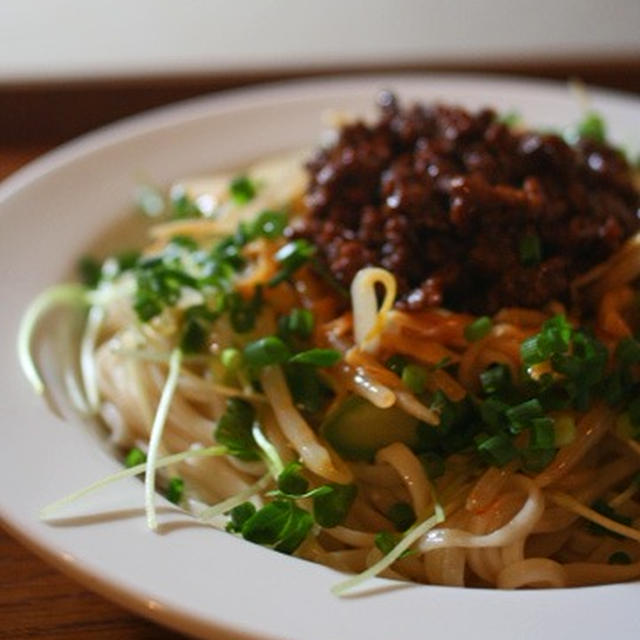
[357, 429]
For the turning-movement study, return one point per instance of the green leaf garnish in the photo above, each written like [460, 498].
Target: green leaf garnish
[331, 508]
[234, 430]
[281, 524]
[266, 351]
[317, 357]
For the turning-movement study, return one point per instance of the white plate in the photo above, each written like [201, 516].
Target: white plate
[196, 579]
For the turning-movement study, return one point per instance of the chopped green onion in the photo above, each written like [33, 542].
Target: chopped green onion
[479, 328]
[495, 379]
[553, 338]
[530, 250]
[317, 357]
[135, 457]
[292, 256]
[183, 242]
[266, 351]
[414, 377]
[269, 224]
[182, 206]
[90, 271]
[231, 359]
[298, 323]
[592, 126]
[521, 416]
[175, 490]
[497, 449]
[242, 313]
[127, 260]
[196, 328]
[510, 118]
[542, 434]
[242, 189]
[493, 413]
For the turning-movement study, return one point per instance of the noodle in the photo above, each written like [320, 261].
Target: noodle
[374, 433]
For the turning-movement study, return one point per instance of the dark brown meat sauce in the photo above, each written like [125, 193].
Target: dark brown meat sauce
[457, 205]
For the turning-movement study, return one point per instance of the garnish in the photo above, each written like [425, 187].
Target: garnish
[330, 508]
[291, 257]
[266, 351]
[175, 490]
[281, 525]
[234, 430]
[135, 457]
[592, 126]
[242, 189]
[414, 377]
[479, 328]
[317, 357]
[155, 437]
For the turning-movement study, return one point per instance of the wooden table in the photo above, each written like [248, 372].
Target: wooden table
[37, 601]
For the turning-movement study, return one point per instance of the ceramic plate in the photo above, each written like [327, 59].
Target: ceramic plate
[190, 577]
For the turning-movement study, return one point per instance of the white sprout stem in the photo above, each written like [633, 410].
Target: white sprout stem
[74, 393]
[62, 294]
[47, 511]
[87, 357]
[242, 496]
[386, 561]
[155, 356]
[156, 436]
[272, 458]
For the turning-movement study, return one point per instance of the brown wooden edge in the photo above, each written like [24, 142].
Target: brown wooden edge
[53, 112]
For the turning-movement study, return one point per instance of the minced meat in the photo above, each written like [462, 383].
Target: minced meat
[467, 212]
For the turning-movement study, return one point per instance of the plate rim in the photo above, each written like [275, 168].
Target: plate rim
[172, 115]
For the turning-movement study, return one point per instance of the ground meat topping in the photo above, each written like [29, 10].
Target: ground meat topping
[466, 212]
